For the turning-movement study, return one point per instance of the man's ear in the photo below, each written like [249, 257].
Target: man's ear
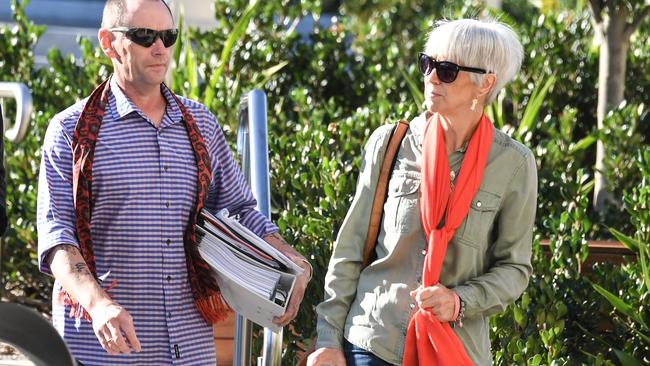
[106, 39]
[488, 83]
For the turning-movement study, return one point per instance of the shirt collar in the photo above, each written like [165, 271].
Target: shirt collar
[124, 106]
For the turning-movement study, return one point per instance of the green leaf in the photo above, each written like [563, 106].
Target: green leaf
[643, 259]
[583, 144]
[631, 243]
[619, 304]
[533, 106]
[268, 73]
[191, 71]
[626, 360]
[237, 33]
[416, 91]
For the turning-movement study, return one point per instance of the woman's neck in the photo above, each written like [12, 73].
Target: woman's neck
[459, 129]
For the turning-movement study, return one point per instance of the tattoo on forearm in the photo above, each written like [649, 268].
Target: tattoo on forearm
[80, 269]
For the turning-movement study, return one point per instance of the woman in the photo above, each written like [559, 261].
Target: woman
[455, 240]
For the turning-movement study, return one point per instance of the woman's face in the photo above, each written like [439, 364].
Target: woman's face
[449, 98]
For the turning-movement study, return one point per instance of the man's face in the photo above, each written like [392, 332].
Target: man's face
[143, 66]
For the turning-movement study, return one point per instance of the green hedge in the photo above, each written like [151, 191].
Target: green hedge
[329, 89]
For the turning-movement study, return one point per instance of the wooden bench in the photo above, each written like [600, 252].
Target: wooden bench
[601, 251]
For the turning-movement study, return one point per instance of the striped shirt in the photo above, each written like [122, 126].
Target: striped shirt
[144, 187]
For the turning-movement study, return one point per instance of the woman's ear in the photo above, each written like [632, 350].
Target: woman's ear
[106, 39]
[488, 83]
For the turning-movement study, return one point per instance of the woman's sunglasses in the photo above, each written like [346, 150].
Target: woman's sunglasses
[145, 37]
[446, 71]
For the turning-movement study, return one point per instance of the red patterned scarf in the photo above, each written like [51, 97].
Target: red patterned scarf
[428, 341]
[204, 287]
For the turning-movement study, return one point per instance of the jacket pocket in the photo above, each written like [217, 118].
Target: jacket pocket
[402, 208]
[476, 229]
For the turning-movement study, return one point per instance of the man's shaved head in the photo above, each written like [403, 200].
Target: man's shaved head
[115, 10]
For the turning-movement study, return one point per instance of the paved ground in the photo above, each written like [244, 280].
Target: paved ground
[10, 357]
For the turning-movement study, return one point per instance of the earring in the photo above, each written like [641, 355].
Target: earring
[474, 102]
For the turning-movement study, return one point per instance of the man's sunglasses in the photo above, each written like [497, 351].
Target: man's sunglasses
[145, 37]
[446, 71]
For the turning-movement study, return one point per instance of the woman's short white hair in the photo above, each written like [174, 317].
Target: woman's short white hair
[485, 44]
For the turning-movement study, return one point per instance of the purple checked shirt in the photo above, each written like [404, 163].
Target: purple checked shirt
[144, 186]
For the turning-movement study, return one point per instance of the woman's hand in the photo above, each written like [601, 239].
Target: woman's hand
[438, 299]
[326, 357]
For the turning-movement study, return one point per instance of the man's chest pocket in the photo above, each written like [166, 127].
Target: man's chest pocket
[402, 207]
[476, 228]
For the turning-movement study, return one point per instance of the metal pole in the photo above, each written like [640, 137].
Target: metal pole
[243, 326]
[15, 134]
[252, 147]
[260, 184]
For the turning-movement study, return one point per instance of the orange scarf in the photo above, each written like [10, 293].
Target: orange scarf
[428, 341]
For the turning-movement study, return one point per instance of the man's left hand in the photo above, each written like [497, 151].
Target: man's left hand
[298, 291]
[438, 298]
[278, 242]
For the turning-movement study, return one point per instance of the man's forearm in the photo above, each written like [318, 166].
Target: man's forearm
[69, 267]
[278, 242]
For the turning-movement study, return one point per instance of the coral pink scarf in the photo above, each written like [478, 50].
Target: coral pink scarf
[428, 341]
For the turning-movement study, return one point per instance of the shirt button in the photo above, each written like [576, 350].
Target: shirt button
[167, 204]
[412, 306]
[169, 278]
[169, 241]
[166, 167]
[424, 252]
[479, 204]
[169, 315]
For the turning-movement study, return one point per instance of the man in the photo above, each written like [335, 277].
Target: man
[123, 176]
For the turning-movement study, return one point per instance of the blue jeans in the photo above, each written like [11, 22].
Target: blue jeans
[357, 356]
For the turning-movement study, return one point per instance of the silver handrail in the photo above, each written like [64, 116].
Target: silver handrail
[252, 148]
[23, 97]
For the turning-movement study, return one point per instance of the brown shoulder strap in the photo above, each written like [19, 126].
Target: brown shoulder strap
[394, 142]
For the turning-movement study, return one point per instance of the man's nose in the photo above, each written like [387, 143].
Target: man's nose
[157, 47]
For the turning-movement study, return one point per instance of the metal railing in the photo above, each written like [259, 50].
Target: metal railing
[14, 132]
[23, 97]
[252, 148]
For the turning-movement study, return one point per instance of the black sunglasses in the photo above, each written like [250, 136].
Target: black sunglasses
[145, 37]
[446, 71]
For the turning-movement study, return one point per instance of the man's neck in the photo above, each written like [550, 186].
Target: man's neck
[149, 99]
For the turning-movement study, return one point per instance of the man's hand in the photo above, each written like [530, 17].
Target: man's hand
[111, 322]
[114, 329]
[326, 357]
[301, 280]
[438, 298]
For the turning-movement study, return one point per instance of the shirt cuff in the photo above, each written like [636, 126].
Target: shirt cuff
[328, 336]
[49, 242]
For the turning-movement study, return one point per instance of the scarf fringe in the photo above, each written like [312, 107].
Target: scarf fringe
[76, 310]
[214, 308]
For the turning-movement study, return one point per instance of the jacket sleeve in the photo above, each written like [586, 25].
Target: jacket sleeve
[346, 260]
[510, 267]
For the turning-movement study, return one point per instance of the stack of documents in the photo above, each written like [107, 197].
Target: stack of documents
[255, 278]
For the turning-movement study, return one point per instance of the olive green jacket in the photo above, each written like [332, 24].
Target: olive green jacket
[487, 261]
